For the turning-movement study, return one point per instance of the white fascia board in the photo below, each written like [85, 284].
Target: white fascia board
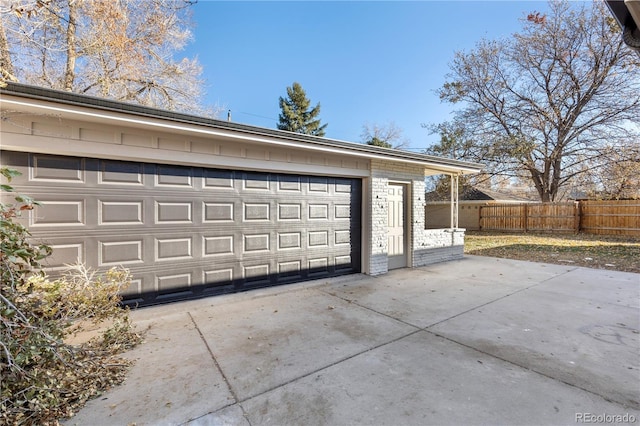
[72, 112]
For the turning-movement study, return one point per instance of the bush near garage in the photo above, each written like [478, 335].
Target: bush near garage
[45, 377]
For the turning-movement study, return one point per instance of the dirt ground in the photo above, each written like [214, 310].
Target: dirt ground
[618, 253]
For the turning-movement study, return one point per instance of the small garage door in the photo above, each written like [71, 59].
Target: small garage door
[188, 232]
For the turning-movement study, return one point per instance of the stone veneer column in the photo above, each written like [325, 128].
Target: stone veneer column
[378, 262]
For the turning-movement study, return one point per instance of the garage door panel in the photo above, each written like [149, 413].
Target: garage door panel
[173, 249]
[218, 275]
[256, 243]
[289, 240]
[318, 185]
[175, 282]
[64, 211]
[218, 180]
[343, 186]
[219, 211]
[135, 290]
[121, 173]
[120, 212]
[174, 176]
[289, 212]
[218, 246]
[173, 212]
[120, 252]
[255, 182]
[258, 273]
[51, 168]
[69, 252]
[289, 184]
[187, 232]
[257, 211]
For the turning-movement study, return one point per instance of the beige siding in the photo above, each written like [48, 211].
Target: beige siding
[40, 133]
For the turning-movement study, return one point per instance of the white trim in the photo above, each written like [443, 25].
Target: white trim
[365, 226]
[454, 201]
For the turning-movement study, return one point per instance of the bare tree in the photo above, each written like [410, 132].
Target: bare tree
[6, 67]
[386, 135]
[558, 95]
[619, 178]
[121, 49]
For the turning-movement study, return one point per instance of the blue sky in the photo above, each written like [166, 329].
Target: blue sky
[375, 62]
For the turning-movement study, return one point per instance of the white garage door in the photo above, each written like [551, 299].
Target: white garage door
[188, 232]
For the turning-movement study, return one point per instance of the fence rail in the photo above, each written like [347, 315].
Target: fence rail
[610, 217]
[594, 217]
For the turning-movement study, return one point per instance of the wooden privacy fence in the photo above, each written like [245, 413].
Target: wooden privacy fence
[543, 217]
[610, 217]
[594, 217]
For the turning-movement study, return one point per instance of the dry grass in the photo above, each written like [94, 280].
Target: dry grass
[592, 251]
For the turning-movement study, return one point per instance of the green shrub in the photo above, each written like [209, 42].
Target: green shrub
[44, 376]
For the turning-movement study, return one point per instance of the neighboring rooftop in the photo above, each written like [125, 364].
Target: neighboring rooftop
[471, 193]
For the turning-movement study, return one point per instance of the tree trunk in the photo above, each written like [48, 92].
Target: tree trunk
[541, 183]
[6, 66]
[69, 74]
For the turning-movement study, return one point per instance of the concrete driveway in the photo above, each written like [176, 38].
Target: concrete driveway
[476, 341]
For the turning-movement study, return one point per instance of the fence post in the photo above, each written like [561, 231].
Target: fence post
[578, 216]
[526, 217]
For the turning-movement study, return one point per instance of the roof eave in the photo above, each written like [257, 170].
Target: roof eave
[135, 114]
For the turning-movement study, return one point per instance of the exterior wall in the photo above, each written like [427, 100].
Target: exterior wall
[438, 214]
[426, 246]
[440, 245]
[378, 225]
[50, 135]
[104, 138]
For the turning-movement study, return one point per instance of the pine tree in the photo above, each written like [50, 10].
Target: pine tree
[375, 141]
[386, 136]
[296, 115]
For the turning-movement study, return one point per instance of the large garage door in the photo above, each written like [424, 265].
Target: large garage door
[188, 232]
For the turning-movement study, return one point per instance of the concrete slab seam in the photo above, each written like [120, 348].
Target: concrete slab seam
[528, 369]
[496, 300]
[352, 302]
[322, 289]
[215, 361]
[317, 370]
[244, 414]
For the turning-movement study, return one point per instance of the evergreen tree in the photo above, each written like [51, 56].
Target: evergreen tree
[386, 136]
[296, 115]
[375, 141]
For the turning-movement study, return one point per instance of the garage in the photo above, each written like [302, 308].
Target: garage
[188, 232]
[195, 206]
